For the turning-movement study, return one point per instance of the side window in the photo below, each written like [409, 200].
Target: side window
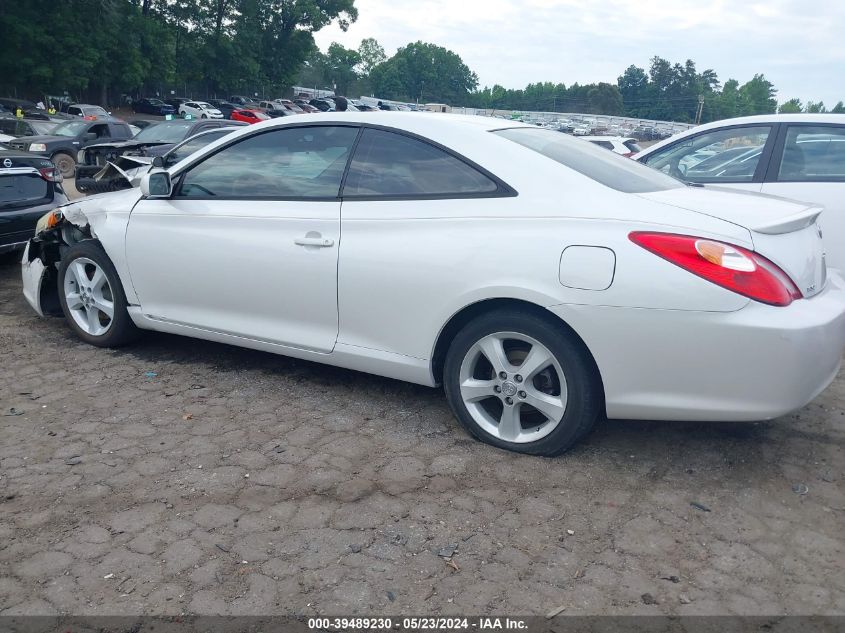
[102, 131]
[730, 155]
[813, 153]
[9, 126]
[390, 164]
[300, 162]
[604, 144]
[74, 111]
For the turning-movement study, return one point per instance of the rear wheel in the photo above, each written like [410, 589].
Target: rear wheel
[65, 163]
[521, 382]
[92, 297]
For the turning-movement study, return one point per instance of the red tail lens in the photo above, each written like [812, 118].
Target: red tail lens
[732, 267]
[50, 174]
[628, 154]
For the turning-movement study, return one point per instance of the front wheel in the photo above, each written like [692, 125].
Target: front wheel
[522, 382]
[92, 297]
[65, 163]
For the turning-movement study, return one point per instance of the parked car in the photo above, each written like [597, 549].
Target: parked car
[123, 171]
[306, 107]
[87, 111]
[361, 106]
[291, 106]
[224, 106]
[799, 156]
[618, 144]
[249, 116]
[30, 186]
[176, 102]
[141, 123]
[152, 106]
[243, 102]
[12, 104]
[632, 296]
[200, 110]
[152, 141]
[274, 109]
[323, 105]
[14, 126]
[65, 140]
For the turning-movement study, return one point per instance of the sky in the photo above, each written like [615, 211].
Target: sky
[796, 44]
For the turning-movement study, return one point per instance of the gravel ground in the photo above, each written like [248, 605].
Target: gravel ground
[178, 476]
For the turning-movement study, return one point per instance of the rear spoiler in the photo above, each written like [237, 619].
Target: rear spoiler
[794, 222]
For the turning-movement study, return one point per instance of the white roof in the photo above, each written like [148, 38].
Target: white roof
[759, 119]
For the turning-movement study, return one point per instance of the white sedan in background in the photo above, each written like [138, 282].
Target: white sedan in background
[798, 156]
[544, 282]
[200, 110]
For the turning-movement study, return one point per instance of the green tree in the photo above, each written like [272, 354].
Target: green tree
[371, 54]
[792, 106]
[815, 107]
[340, 67]
[424, 72]
[839, 108]
[758, 96]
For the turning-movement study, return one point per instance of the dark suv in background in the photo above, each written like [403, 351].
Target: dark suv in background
[62, 145]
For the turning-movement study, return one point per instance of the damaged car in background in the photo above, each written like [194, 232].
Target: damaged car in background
[114, 166]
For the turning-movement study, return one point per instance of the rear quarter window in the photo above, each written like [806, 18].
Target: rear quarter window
[607, 168]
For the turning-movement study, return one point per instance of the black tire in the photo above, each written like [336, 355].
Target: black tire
[584, 397]
[122, 330]
[65, 163]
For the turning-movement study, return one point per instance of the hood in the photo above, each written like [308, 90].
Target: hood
[762, 213]
[29, 140]
[130, 144]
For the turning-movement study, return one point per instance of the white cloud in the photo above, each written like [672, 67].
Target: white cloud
[797, 45]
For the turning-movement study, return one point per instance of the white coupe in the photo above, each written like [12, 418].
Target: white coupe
[543, 281]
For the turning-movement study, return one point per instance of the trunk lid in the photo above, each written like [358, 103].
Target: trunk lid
[784, 231]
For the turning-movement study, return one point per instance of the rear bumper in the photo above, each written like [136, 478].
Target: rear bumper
[757, 363]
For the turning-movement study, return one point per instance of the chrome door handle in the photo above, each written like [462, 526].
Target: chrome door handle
[323, 242]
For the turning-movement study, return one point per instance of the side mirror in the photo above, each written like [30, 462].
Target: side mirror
[156, 184]
[158, 161]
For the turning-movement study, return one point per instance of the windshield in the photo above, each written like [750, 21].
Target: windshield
[71, 128]
[94, 111]
[204, 105]
[192, 145]
[43, 128]
[607, 168]
[167, 132]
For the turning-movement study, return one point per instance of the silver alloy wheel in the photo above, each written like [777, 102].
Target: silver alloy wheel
[513, 387]
[89, 296]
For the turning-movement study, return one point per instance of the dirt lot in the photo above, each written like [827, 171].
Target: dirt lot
[178, 476]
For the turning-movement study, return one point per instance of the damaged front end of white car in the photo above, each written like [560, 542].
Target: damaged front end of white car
[102, 218]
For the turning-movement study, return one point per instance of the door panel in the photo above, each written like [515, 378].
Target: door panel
[233, 266]
[247, 244]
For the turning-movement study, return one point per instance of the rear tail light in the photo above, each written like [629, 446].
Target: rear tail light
[729, 266]
[628, 154]
[51, 174]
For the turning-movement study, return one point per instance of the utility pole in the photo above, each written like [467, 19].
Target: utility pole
[700, 110]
